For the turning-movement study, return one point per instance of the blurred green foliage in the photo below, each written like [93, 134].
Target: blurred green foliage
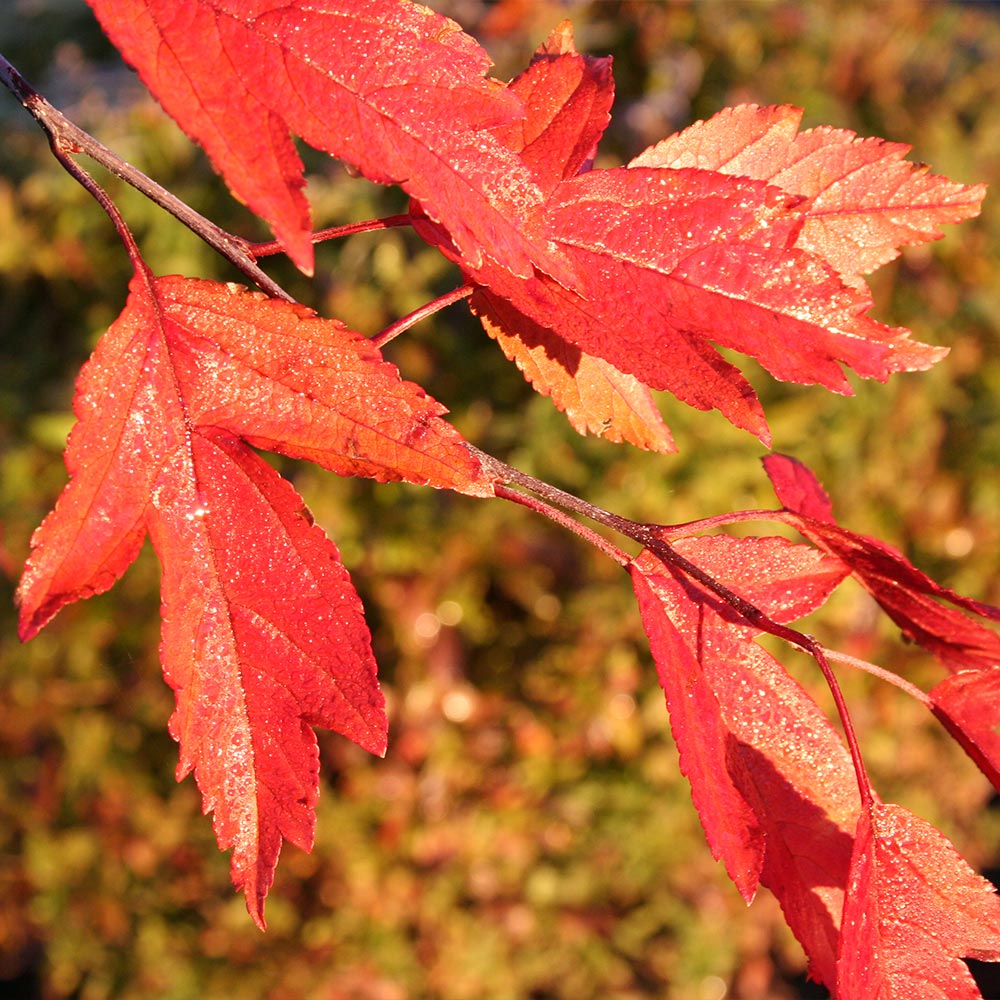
[528, 834]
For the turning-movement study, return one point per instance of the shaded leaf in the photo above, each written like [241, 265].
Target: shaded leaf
[595, 396]
[733, 830]
[914, 910]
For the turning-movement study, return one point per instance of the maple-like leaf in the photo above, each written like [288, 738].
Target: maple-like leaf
[387, 85]
[914, 910]
[736, 233]
[908, 596]
[771, 779]
[864, 200]
[263, 633]
[670, 263]
[567, 99]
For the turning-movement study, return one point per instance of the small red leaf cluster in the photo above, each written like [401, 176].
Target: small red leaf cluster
[601, 284]
[773, 781]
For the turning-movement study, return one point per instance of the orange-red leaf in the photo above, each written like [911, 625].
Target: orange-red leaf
[914, 910]
[968, 704]
[389, 86]
[737, 233]
[908, 596]
[285, 380]
[263, 633]
[864, 200]
[770, 776]
[595, 396]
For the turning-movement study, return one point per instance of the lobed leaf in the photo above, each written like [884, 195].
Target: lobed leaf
[263, 633]
[567, 100]
[288, 381]
[737, 232]
[914, 910]
[264, 637]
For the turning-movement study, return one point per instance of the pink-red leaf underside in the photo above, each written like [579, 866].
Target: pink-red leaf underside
[908, 596]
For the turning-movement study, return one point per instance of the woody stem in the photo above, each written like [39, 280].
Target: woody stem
[652, 539]
[68, 138]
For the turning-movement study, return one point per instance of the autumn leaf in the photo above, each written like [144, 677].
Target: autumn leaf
[864, 200]
[914, 910]
[389, 86]
[263, 633]
[908, 596]
[968, 705]
[567, 98]
[672, 262]
[736, 233]
[771, 779]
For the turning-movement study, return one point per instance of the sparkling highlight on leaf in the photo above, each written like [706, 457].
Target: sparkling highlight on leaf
[263, 633]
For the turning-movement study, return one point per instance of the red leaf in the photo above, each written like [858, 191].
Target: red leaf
[567, 98]
[968, 704]
[914, 909]
[668, 261]
[736, 233]
[865, 201]
[263, 638]
[734, 832]
[771, 778]
[263, 634]
[910, 598]
[240, 75]
[567, 102]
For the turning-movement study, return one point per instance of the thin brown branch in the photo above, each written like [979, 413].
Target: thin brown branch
[66, 138]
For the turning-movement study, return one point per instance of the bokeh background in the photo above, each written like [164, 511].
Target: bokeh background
[528, 834]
